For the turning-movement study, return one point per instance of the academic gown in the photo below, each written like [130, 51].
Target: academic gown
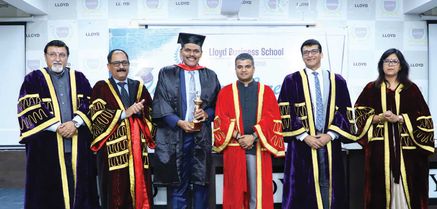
[46, 175]
[121, 146]
[170, 99]
[399, 149]
[269, 130]
[301, 176]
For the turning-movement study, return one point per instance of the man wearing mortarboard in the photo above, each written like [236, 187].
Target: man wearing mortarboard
[183, 151]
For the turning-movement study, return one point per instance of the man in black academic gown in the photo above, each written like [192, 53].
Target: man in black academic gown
[183, 154]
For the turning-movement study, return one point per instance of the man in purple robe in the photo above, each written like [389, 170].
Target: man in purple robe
[55, 127]
[316, 115]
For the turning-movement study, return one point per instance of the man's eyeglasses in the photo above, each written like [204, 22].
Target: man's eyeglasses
[53, 55]
[117, 63]
[391, 62]
[312, 52]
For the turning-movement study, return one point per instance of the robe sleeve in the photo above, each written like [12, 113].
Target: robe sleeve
[269, 128]
[162, 101]
[364, 112]
[343, 122]
[104, 119]
[224, 121]
[146, 114]
[83, 99]
[291, 125]
[418, 121]
[35, 111]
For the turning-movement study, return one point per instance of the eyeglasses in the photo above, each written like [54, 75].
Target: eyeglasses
[117, 63]
[53, 55]
[312, 52]
[391, 62]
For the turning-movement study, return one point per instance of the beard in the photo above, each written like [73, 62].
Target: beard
[57, 67]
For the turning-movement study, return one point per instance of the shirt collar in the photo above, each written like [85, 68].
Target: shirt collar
[309, 71]
[249, 85]
[117, 81]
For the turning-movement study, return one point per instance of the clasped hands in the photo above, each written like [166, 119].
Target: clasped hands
[246, 141]
[67, 129]
[318, 141]
[200, 115]
[390, 117]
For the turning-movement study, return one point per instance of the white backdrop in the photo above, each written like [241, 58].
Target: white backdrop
[276, 51]
[12, 55]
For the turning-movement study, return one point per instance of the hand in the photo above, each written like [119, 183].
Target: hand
[313, 142]
[135, 108]
[390, 117]
[200, 115]
[324, 138]
[246, 141]
[186, 126]
[67, 129]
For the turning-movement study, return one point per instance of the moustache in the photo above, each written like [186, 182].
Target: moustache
[121, 70]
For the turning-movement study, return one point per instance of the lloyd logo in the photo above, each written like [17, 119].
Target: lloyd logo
[62, 31]
[418, 33]
[359, 64]
[361, 5]
[389, 35]
[62, 4]
[303, 4]
[390, 5]
[332, 4]
[33, 35]
[183, 3]
[152, 4]
[92, 34]
[119, 4]
[212, 3]
[92, 4]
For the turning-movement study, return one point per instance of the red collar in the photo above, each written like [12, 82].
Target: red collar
[189, 68]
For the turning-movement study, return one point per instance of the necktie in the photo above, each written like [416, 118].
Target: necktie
[124, 95]
[191, 96]
[321, 153]
[319, 104]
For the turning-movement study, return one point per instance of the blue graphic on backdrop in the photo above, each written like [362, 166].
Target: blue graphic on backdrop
[142, 47]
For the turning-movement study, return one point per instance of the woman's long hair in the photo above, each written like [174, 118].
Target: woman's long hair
[402, 76]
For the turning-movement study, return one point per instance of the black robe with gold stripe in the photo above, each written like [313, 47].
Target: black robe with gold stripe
[46, 175]
[395, 150]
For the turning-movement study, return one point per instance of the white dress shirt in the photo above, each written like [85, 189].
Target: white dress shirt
[312, 85]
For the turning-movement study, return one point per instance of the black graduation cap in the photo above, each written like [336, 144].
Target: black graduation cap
[186, 38]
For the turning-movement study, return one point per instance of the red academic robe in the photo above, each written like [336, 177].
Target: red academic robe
[268, 128]
[123, 163]
[413, 140]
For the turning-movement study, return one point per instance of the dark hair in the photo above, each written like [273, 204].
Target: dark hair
[311, 42]
[403, 72]
[116, 50]
[245, 56]
[57, 43]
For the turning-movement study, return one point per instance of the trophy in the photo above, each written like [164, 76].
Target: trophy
[196, 124]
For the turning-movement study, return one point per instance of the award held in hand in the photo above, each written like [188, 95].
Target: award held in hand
[197, 124]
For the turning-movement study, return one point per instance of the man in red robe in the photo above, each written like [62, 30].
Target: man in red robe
[248, 130]
[122, 128]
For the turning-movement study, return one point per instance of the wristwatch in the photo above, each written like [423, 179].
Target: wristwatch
[76, 124]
